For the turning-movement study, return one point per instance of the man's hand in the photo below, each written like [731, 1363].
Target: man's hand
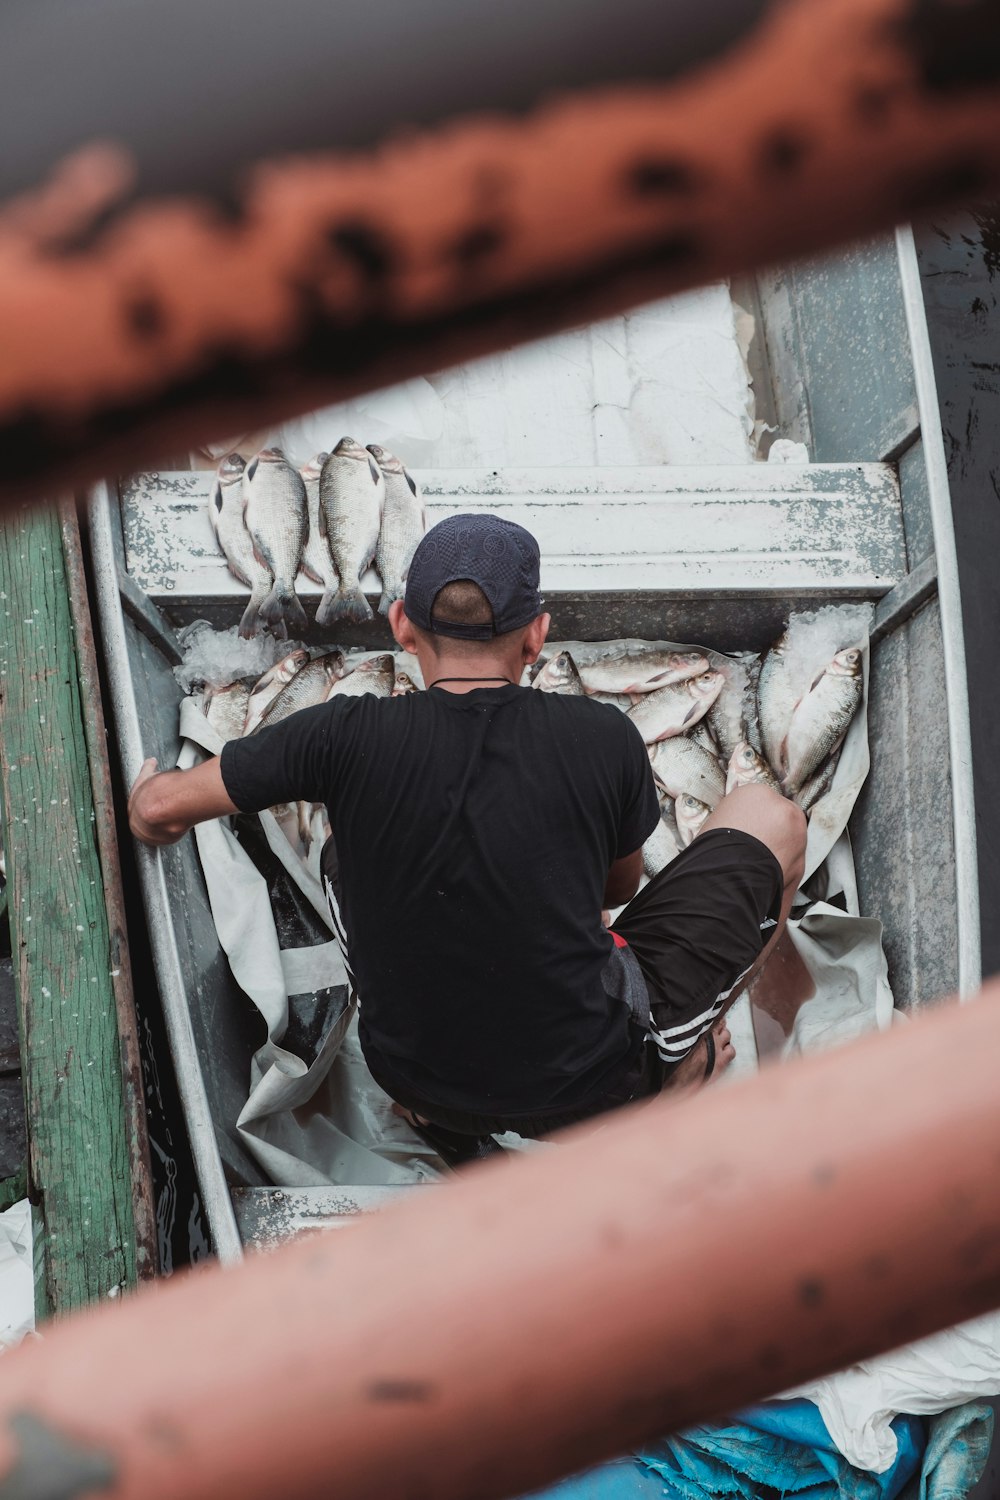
[163, 805]
[623, 879]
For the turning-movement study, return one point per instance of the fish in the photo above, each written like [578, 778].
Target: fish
[351, 495]
[817, 786]
[268, 686]
[225, 510]
[403, 684]
[403, 524]
[663, 844]
[746, 766]
[308, 687]
[677, 708]
[702, 735]
[275, 510]
[680, 766]
[560, 675]
[690, 814]
[622, 701]
[317, 563]
[225, 709]
[725, 715]
[777, 696]
[641, 671]
[820, 720]
[376, 675]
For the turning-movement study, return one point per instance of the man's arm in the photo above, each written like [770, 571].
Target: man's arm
[163, 805]
[623, 879]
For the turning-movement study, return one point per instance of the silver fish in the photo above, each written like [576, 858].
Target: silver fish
[820, 721]
[225, 709]
[818, 785]
[225, 509]
[274, 497]
[403, 684]
[308, 687]
[680, 767]
[725, 717]
[663, 844]
[690, 814]
[777, 696]
[317, 563]
[641, 671]
[702, 735]
[560, 675]
[403, 524]
[351, 495]
[269, 685]
[376, 675]
[677, 708]
[746, 767]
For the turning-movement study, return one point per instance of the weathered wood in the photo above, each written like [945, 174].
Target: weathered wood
[140, 1171]
[78, 1141]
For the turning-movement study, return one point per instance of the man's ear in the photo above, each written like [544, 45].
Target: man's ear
[534, 638]
[402, 628]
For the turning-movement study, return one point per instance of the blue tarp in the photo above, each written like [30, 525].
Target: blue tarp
[783, 1448]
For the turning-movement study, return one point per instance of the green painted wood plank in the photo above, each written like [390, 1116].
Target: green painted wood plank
[78, 1145]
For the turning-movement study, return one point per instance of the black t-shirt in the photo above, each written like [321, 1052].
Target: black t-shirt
[474, 834]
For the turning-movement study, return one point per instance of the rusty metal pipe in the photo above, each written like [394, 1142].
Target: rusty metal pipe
[485, 1337]
[196, 239]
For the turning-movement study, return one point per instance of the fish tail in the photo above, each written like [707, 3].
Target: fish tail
[250, 623]
[283, 605]
[389, 597]
[347, 604]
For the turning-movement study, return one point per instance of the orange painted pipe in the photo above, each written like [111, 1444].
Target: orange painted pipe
[214, 237]
[485, 1337]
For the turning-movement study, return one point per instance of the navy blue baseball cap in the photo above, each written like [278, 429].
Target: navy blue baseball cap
[500, 556]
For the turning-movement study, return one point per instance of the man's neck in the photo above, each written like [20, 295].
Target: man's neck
[463, 674]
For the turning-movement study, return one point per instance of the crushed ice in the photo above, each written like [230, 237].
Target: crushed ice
[815, 636]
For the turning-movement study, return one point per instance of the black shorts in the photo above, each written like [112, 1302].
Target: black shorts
[696, 929]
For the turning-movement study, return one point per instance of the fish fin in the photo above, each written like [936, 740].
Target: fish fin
[250, 623]
[311, 573]
[348, 603]
[251, 469]
[283, 604]
[412, 483]
[693, 710]
[217, 498]
[373, 469]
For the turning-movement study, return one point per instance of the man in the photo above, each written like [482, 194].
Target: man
[480, 829]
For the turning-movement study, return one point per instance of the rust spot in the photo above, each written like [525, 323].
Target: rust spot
[145, 317]
[782, 151]
[478, 242]
[365, 245]
[812, 1292]
[661, 177]
[400, 1390]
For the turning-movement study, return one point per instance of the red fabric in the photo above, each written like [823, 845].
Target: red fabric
[619, 941]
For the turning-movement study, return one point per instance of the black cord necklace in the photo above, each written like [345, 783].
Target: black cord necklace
[509, 680]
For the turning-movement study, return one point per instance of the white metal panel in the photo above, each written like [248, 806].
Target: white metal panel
[773, 530]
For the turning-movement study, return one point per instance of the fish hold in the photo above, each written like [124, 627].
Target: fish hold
[682, 767]
[690, 814]
[317, 563]
[274, 498]
[351, 495]
[376, 675]
[675, 709]
[225, 510]
[820, 721]
[308, 687]
[403, 524]
[641, 671]
[776, 699]
[225, 709]
[560, 675]
[663, 844]
[268, 686]
[747, 767]
[403, 684]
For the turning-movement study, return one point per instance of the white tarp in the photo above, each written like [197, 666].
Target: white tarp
[17, 1275]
